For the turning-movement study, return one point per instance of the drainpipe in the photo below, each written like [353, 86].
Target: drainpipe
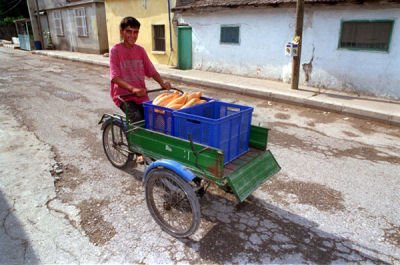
[169, 21]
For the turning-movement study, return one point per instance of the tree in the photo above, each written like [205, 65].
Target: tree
[13, 9]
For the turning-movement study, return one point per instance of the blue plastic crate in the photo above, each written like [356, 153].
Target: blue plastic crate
[218, 124]
[160, 119]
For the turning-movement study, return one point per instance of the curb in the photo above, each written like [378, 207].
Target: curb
[295, 100]
[300, 100]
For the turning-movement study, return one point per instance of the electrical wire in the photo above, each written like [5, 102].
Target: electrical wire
[5, 12]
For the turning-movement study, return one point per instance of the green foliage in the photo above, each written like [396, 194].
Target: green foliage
[9, 20]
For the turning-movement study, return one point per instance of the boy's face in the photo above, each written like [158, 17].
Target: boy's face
[130, 35]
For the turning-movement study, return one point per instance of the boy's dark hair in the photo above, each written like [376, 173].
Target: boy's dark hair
[129, 21]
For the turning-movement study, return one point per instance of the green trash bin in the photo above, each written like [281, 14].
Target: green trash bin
[184, 47]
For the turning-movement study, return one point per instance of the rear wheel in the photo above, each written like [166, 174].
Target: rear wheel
[172, 202]
[116, 148]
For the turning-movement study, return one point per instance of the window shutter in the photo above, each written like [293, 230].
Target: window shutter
[80, 19]
[58, 23]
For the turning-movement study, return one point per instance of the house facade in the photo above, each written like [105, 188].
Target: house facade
[346, 45]
[75, 25]
[157, 35]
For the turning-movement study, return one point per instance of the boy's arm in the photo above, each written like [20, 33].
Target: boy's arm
[122, 83]
[158, 79]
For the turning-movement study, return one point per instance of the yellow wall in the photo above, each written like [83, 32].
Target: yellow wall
[156, 12]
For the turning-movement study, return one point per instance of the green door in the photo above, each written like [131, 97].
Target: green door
[184, 47]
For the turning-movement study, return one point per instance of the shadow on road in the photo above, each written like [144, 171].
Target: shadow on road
[257, 232]
[15, 246]
[254, 231]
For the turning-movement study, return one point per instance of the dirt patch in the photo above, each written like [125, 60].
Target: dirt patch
[101, 111]
[319, 116]
[366, 127]
[392, 235]
[93, 223]
[350, 134]
[311, 124]
[91, 143]
[365, 152]
[133, 186]
[68, 178]
[282, 116]
[321, 197]
[64, 94]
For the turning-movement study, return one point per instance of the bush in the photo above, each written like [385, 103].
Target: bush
[9, 20]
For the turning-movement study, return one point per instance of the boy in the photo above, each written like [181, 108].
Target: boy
[129, 64]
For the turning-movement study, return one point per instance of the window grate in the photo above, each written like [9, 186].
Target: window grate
[158, 37]
[366, 35]
[230, 34]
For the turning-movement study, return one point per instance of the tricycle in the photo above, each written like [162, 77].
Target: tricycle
[179, 171]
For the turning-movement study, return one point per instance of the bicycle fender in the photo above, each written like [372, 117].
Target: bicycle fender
[180, 170]
[108, 120]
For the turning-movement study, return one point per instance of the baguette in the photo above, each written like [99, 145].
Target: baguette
[175, 106]
[181, 100]
[190, 103]
[158, 98]
[167, 99]
[194, 95]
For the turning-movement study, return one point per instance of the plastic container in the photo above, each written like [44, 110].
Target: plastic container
[38, 45]
[159, 118]
[218, 124]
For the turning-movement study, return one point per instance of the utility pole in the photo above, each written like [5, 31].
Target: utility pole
[39, 23]
[298, 34]
[35, 21]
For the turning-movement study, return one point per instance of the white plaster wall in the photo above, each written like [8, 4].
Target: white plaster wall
[265, 31]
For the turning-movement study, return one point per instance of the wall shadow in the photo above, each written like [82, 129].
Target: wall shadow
[15, 246]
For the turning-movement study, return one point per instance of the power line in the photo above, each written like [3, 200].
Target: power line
[5, 12]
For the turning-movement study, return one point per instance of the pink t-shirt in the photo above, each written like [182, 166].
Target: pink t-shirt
[132, 65]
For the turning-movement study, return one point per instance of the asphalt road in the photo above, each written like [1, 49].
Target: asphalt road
[336, 199]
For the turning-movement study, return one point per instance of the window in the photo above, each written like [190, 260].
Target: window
[58, 23]
[159, 38]
[230, 34]
[366, 35]
[80, 19]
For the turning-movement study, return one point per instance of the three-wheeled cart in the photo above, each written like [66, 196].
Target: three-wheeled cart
[179, 171]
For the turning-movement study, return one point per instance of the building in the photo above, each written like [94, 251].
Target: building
[347, 45]
[157, 35]
[75, 25]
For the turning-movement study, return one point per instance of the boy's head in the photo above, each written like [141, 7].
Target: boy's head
[129, 29]
[129, 21]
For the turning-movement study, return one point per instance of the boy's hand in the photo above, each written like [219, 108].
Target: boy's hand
[139, 92]
[166, 85]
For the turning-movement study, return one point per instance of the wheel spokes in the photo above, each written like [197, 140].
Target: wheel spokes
[117, 148]
[171, 204]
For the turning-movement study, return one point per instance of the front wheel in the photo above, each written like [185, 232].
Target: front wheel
[115, 145]
[172, 202]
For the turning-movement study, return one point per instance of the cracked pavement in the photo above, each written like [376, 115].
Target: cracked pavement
[336, 199]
